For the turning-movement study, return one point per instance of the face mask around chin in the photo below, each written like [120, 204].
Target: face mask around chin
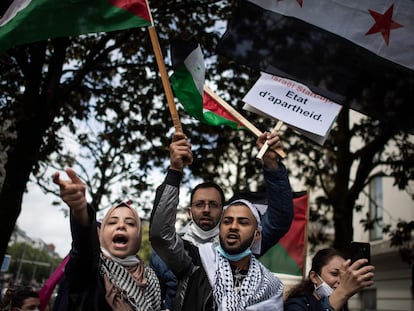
[323, 290]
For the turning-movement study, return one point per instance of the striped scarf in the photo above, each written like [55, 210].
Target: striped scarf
[259, 285]
[146, 298]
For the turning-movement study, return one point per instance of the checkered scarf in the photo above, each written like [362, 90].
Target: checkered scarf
[141, 297]
[259, 285]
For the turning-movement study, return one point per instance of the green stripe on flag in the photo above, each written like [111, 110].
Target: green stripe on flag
[187, 82]
[277, 260]
[43, 19]
[187, 93]
[215, 119]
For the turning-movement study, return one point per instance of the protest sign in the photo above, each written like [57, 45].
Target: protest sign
[294, 104]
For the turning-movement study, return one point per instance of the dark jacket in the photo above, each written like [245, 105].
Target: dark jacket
[307, 302]
[197, 293]
[85, 283]
[168, 281]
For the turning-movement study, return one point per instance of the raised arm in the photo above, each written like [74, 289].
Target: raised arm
[164, 239]
[84, 254]
[279, 215]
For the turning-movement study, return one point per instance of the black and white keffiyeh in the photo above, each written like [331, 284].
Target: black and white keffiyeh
[146, 298]
[260, 289]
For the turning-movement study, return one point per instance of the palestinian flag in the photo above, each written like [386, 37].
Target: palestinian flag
[27, 21]
[359, 54]
[288, 256]
[187, 82]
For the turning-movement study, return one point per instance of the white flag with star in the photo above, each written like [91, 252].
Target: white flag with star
[357, 53]
[384, 27]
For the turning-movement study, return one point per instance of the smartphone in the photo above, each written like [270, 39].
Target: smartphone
[360, 250]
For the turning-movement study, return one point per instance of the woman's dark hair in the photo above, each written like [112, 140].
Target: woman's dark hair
[321, 259]
[208, 184]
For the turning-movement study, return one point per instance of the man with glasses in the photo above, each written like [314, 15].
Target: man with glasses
[206, 207]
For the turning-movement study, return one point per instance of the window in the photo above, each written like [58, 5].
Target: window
[376, 208]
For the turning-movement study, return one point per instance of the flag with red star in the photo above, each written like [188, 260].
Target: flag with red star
[356, 53]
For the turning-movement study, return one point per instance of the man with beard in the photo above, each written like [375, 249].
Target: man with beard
[207, 205]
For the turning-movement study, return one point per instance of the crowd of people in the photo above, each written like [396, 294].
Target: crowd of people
[211, 264]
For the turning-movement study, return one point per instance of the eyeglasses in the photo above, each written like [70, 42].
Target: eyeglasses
[202, 204]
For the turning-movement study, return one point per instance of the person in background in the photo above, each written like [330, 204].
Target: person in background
[23, 298]
[331, 281]
[104, 271]
[206, 207]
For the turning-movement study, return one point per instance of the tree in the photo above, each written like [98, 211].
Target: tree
[106, 79]
[342, 171]
[105, 90]
[145, 249]
[30, 265]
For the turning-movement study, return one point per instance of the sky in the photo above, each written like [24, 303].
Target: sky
[42, 220]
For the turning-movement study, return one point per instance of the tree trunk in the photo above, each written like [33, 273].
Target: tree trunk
[39, 105]
[20, 161]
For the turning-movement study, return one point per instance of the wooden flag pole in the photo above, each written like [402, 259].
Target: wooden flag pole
[240, 118]
[233, 111]
[165, 80]
[266, 146]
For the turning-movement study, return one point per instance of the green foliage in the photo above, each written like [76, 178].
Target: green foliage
[145, 250]
[30, 265]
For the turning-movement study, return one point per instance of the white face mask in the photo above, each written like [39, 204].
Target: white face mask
[323, 290]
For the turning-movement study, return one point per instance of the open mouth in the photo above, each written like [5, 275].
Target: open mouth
[232, 237]
[120, 240]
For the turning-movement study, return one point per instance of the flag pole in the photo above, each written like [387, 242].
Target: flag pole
[164, 77]
[266, 145]
[240, 118]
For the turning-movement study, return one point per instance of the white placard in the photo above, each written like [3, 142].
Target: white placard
[294, 104]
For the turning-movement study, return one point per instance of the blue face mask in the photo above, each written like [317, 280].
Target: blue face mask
[323, 290]
[234, 257]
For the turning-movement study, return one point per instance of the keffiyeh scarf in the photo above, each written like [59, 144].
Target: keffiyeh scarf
[143, 296]
[260, 288]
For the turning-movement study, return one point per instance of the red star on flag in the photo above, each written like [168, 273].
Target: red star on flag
[383, 23]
